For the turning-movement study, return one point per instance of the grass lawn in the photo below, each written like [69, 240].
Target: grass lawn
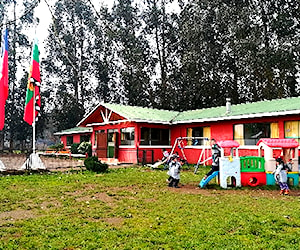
[132, 208]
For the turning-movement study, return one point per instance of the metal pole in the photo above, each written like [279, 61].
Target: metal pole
[33, 123]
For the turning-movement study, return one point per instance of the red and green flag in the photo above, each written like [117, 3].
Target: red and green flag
[33, 100]
[3, 77]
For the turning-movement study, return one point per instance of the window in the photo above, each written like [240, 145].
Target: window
[127, 136]
[291, 130]
[155, 136]
[69, 140]
[198, 132]
[85, 138]
[250, 133]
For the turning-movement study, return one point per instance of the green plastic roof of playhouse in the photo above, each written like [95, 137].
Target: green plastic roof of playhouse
[238, 111]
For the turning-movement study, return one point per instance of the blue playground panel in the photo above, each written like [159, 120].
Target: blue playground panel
[293, 175]
[204, 182]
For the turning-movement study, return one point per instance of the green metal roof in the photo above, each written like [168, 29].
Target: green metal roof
[76, 130]
[255, 109]
[274, 107]
[135, 113]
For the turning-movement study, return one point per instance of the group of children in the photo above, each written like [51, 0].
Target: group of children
[175, 164]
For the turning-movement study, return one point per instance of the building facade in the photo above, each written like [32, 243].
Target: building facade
[128, 134]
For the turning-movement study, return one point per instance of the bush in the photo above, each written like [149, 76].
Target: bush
[93, 164]
[85, 147]
[57, 147]
[74, 148]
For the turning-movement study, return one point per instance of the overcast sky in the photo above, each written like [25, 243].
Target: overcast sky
[43, 13]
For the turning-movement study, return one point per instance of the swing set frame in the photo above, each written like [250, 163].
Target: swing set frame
[204, 152]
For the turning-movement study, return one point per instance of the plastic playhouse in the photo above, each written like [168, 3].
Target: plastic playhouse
[270, 149]
[255, 170]
[229, 169]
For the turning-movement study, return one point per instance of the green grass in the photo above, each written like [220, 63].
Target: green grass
[133, 208]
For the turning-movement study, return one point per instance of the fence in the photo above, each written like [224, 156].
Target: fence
[252, 164]
[145, 156]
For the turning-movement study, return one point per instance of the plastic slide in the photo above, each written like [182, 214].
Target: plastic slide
[204, 182]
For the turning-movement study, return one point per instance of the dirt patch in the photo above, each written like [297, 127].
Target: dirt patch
[98, 196]
[193, 189]
[114, 221]
[49, 204]
[14, 215]
[103, 197]
[75, 193]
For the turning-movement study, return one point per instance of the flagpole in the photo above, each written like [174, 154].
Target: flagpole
[33, 121]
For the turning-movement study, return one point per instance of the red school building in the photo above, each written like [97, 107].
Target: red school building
[127, 134]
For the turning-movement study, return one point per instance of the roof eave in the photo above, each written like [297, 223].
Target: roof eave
[71, 133]
[290, 112]
[121, 121]
[84, 118]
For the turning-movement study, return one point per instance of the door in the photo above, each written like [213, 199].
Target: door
[101, 145]
[112, 143]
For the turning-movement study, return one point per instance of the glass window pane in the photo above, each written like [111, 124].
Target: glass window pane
[127, 136]
[238, 133]
[145, 136]
[69, 140]
[254, 131]
[291, 129]
[85, 138]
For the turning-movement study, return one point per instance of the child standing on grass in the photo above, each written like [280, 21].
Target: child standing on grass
[280, 175]
[174, 172]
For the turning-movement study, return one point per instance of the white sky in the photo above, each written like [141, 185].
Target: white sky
[43, 13]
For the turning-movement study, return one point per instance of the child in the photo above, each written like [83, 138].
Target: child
[174, 172]
[165, 155]
[280, 175]
[215, 154]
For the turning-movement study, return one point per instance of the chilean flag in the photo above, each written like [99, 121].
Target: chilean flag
[3, 77]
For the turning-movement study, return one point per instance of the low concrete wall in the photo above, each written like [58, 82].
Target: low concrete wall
[15, 162]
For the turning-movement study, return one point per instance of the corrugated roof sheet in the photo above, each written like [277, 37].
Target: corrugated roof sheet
[144, 114]
[75, 130]
[255, 109]
[277, 105]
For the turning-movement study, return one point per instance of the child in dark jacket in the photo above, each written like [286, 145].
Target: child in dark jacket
[215, 154]
[280, 175]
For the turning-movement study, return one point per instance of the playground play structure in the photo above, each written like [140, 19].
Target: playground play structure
[251, 170]
[229, 172]
[183, 142]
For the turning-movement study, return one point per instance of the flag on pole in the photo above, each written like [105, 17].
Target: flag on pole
[3, 77]
[33, 87]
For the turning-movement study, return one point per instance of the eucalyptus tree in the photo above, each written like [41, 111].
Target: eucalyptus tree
[201, 55]
[276, 59]
[246, 50]
[161, 28]
[133, 59]
[106, 87]
[70, 60]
